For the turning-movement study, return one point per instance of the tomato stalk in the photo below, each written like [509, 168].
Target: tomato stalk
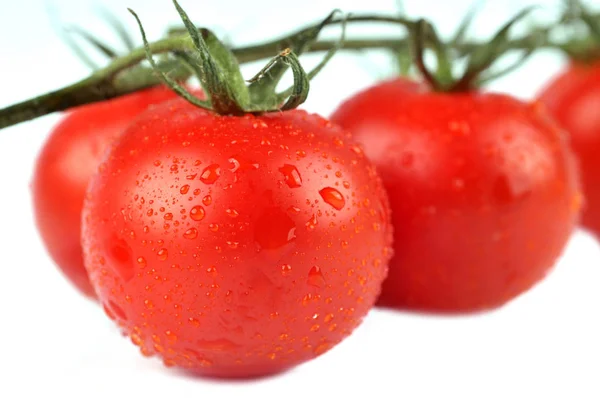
[123, 75]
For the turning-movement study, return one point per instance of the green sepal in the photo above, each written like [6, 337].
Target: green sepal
[267, 80]
[225, 95]
[485, 55]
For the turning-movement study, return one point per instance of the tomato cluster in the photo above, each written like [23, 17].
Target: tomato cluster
[243, 245]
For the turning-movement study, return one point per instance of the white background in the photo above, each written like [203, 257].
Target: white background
[52, 341]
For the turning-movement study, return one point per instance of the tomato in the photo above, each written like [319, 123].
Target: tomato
[236, 246]
[572, 98]
[483, 189]
[65, 164]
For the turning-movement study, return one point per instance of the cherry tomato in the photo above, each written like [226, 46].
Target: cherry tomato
[483, 190]
[67, 161]
[236, 246]
[573, 99]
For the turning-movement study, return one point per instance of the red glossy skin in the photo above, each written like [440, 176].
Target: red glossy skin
[64, 167]
[573, 99]
[483, 189]
[236, 246]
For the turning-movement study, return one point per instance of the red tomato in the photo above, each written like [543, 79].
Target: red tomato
[67, 161]
[483, 190]
[573, 98]
[236, 246]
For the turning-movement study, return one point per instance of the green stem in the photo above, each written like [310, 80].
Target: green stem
[103, 84]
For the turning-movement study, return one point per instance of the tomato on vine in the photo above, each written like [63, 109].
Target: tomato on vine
[231, 240]
[483, 187]
[572, 98]
[69, 157]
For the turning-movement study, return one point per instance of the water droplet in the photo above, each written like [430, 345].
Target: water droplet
[301, 153]
[191, 233]
[157, 163]
[337, 141]
[162, 254]
[322, 348]
[344, 244]
[207, 200]
[213, 227]
[291, 175]
[136, 339]
[194, 322]
[149, 304]
[210, 174]
[286, 269]
[357, 150]
[233, 213]
[141, 261]
[235, 164]
[184, 189]
[168, 216]
[197, 213]
[191, 176]
[150, 213]
[274, 229]
[312, 223]
[333, 197]
[315, 277]
[315, 328]
[211, 270]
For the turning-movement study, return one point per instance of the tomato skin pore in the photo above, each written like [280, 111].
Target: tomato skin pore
[484, 192]
[236, 246]
[64, 166]
[573, 99]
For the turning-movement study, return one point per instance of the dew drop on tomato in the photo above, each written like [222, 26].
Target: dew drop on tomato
[311, 224]
[191, 233]
[333, 197]
[315, 277]
[286, 269]
[163, 254]
[291, 175]
[210, 174]
[197, 213]
[233, 213]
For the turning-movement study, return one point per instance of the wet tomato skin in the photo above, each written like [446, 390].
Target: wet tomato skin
[64, 166]
[236, 246]
[573, 99]
[483, 188]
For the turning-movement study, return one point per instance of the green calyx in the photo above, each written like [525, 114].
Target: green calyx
[584, 25]
[218, 71]
[479, 59]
